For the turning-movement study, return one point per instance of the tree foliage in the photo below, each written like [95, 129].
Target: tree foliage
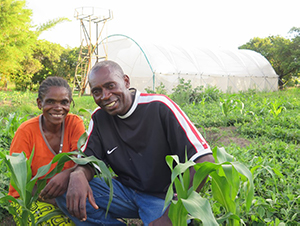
[48, 54]
[50, 24]
[295, 49]
[39, 64]
[282, 53]
[24, 59]
[15, 36]
[68, 62]
[47, 59]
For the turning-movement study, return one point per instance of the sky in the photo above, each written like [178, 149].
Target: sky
[225, 24]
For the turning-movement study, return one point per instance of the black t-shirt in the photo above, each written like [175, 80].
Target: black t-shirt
[135, 145]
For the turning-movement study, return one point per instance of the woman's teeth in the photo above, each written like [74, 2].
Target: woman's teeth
[57, 116]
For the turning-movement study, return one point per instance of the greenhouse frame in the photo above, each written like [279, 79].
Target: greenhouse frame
[150, 65]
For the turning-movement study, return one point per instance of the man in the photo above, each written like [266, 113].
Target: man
[133, 133]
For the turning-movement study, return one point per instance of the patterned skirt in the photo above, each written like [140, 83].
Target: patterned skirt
[40, 209]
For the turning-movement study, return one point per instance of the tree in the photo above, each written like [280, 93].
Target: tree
[15, 36]
[282, 53]
[68, 62]
[38, 65]
[294, 66]
[20, 50]
[48, 54]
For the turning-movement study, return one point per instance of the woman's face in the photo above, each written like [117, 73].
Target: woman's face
[55, 105]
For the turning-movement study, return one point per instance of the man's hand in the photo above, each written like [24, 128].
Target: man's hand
[78, 190]
[164, 220]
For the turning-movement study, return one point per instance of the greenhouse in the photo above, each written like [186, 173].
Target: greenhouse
[150, 65]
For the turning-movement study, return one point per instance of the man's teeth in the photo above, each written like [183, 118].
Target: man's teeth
[111, 104]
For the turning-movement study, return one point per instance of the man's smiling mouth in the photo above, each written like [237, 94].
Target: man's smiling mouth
[111, 104]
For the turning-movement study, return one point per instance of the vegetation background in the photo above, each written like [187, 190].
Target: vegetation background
[262, 130]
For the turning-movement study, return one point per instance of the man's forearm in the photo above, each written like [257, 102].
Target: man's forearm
[206, 158]
[88, 171]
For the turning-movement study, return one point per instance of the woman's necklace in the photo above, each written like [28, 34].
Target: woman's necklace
[60, 146]
[45, 139]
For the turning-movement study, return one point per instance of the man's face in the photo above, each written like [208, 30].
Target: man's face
[110, 91]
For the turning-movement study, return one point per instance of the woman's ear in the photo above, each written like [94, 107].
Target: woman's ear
[39, 103]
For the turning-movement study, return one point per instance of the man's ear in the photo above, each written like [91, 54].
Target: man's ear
[39, 103]
[127, 81]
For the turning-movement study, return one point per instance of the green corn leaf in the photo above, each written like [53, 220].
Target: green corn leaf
[221, 192]
[221, 155]
[199, 208]
[5, 198]
[62, 158]
[181, 192]
[170, 159]
[29, 173]
[181, 168]
[178, 214]
[81, 141]
[243, 170]
[105, 172]
[169, 196]
[232, 178]
[202, 171]
[83, 110]
[178, 170]
[227, 216]
[18, 168]
[186, 179]
[40, 185]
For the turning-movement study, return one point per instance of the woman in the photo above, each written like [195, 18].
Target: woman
[52, 132]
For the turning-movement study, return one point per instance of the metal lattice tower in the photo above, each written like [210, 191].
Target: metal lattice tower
[90, 20]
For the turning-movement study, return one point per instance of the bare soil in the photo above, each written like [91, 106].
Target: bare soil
[7, 221]
[224, 136]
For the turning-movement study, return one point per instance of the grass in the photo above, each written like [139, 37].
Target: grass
[262, 131]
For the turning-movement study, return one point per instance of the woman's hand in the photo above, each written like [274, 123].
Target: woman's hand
[57, 186]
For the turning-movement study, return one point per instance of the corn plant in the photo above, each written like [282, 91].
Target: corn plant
[228, 105]
[23, 182]
[227, 176]
[12, 123]
[276, 108]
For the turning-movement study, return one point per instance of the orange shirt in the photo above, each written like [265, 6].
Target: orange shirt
[29, 136]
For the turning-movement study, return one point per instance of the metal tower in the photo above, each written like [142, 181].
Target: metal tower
[90, 20]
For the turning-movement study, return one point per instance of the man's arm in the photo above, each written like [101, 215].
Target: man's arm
[205, 158]
[78, 190]
[164, 219]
